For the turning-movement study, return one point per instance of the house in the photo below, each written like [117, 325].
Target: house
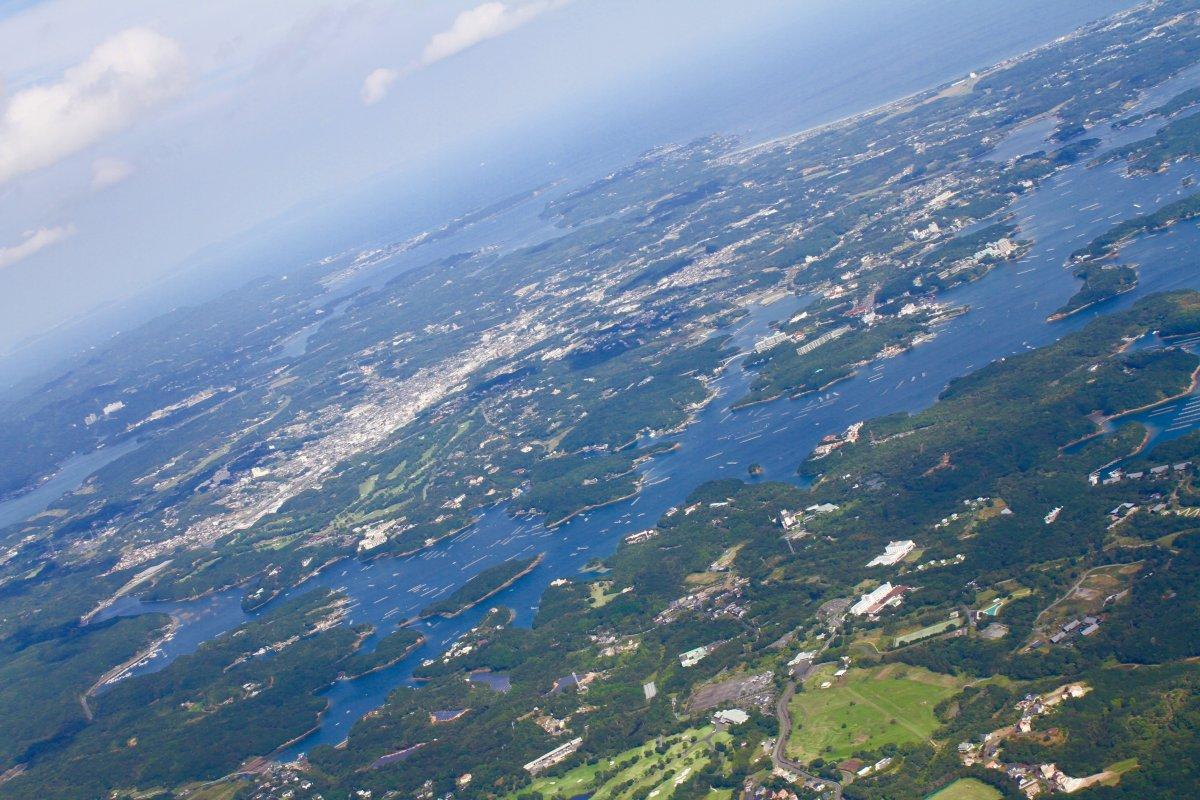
[693, 657]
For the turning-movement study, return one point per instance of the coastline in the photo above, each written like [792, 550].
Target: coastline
[1105, 424]
[492, 593]
[408, 651]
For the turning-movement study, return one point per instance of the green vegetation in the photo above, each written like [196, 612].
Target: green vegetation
[1101, 282]
[542, 371]
[243, 694]
[481, 586]
[571, 484]
[1175, 140]
[865, 710]
[1180, 102]
[924, 633]
[41, 685]
[1139, 724]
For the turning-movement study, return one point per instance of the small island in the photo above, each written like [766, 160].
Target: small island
[482, 586]
[755, 470]
[1093, 264]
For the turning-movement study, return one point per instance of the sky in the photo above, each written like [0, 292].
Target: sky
[141, 140]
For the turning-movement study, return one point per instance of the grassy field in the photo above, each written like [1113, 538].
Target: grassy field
[866, 709]
[599, 594]
[967, 789]
[648, 773]
[1115, 771]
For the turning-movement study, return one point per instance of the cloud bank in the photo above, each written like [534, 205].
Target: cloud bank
[34, 242]
[122, 78]
[486, 21]
[377, 84]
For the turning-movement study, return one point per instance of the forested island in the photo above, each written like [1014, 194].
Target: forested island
[481, 586]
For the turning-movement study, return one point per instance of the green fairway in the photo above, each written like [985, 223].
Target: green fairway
[866, 709]
[967, 789]
[636, 773]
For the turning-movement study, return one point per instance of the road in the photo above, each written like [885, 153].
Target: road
[779, 753]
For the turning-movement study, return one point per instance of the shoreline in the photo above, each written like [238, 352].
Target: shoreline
[1105, 425]
[925, 94]
[408, 651]
[1060, 315]
[552, 524]
[463, 609]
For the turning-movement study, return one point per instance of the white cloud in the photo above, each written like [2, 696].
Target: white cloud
[123, 77]
[109, 172]
[483, 22]
[34, 242]
[486, 21]
[377, 84]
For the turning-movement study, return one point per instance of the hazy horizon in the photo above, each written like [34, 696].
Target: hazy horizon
[189, 156]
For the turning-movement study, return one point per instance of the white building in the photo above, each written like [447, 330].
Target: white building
[555, 756]
[894, 553]
[730, 716]
[693, 657]
[767, 342]
[877, 599]
[802, 656]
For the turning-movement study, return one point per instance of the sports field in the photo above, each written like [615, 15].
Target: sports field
[866, 709]
[967, 789]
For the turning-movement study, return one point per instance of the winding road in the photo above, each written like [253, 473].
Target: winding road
[779, 753]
